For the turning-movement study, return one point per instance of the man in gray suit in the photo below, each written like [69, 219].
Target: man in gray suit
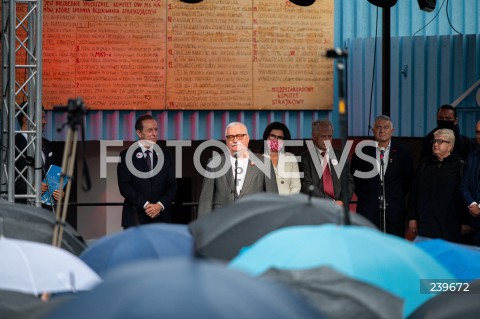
[219, 189]
[318, 167]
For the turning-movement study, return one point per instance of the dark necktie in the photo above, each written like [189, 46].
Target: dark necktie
[148, 158]
[327, 179]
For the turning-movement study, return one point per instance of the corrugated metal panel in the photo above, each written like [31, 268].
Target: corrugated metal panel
[353, 19]
[426, 72]
[184, 125]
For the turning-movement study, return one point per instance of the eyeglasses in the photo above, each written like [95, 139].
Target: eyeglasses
[238, 137]
[440, 141]
[275, 137]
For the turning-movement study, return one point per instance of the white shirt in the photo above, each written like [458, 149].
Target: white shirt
[386, 156]
[241, 171]
[143, 148]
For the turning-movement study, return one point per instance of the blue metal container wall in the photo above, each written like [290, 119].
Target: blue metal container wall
[426, 72]
[354, 19]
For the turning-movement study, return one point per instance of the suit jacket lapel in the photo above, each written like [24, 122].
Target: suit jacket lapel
[229, 175]
[139, 161]
[248, 177]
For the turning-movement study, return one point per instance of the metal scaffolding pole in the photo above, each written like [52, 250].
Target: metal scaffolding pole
[21, 95]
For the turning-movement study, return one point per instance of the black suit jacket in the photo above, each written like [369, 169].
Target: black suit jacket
[21, 163]
[312, 177]
[137, 191]
[398, 181]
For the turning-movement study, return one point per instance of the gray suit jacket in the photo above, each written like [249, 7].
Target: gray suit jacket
[218, 189]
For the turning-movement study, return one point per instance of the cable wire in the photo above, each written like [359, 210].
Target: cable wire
[436, 15]
[448, 18]
[373, 75]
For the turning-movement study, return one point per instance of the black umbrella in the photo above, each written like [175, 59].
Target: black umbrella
[459, 304]
[184, 288]
[222, 233]
[32, 223]
[337, 295]
[12, 301]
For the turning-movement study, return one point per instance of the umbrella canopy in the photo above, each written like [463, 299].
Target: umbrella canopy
[13, 301]
[451, 305]
[32, 223]
[339, 296]
[222, 233]
[34, 268]
[18, 305]
[153, 241]
[461, 260]
[383, 260]
[184, 288]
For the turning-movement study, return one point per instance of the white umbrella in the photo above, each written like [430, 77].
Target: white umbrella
[32, 267]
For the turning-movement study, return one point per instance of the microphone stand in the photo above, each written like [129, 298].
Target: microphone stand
[383, 201]
[340, 56]
[235, 195]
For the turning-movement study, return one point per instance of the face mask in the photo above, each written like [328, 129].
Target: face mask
[275, 145]
[441, 124]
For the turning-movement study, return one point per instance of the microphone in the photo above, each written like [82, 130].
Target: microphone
[336, 53]
[235, 155]
[382, 152]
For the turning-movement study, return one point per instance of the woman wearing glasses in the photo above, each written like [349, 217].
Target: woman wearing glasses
[284, 163]
[436, 207]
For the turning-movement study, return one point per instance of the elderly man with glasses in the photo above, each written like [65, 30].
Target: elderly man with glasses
[236, 174]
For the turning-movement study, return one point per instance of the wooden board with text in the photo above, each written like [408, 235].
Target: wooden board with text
[213, 55]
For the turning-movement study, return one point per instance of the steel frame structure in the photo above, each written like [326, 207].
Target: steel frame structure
[21, 94]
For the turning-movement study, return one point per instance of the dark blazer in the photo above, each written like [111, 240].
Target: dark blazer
[21, 163]
[311, 177]
[470, 186]
[398, 181]
[218, 190]
[137, 191]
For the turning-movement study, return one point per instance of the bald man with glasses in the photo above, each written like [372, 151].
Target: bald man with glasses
[222, 186]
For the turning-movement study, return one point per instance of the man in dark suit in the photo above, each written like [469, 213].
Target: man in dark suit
[219, 189]
[398, 175]
[321, 168]
[146, 178]
[23, 160]
[470, 190]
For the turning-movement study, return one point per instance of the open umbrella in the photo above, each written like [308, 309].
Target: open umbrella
[13, 301]
[337, 295]
[461, 260]
[184, 288]
[451, 305]
[153, 241]
[18, 305]
[36, 224]
[222, 233]
[383, 260]
[34, 268]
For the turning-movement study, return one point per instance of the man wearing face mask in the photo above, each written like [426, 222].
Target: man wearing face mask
[284, 163]
[447, 119]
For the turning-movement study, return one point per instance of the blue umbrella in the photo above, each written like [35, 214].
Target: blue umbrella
[153, 241]
[385, 261]
[184, 288]
[462, 261]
